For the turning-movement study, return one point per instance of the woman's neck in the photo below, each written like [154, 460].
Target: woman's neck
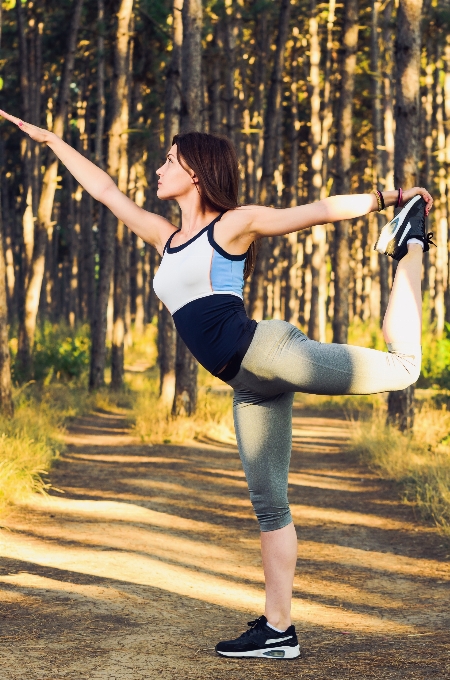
[193, 218]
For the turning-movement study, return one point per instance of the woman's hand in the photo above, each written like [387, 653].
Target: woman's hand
[410, 193]
[36, 133]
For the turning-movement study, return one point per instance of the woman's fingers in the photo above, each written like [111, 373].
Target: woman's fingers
[409, 193]
[13, 119]
[36, 133]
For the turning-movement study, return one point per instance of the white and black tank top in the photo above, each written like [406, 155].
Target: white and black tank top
[201, 285]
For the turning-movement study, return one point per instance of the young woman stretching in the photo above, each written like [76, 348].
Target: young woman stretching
[200, 280]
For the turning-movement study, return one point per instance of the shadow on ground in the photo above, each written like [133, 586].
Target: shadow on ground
[151, 555]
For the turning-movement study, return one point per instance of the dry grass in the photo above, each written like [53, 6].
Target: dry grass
[419, 461]
[31, 440]
[153, 421]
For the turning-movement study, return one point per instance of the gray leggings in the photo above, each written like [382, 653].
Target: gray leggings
[282, 360]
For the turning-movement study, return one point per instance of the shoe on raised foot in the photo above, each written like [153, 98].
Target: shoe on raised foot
[408, 223]
[262, 641]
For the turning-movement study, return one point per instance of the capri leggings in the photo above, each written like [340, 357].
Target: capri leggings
[282, 360]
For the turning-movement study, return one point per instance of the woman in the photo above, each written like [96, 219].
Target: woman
[200, 280]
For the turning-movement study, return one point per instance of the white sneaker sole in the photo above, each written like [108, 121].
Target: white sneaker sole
[391, 229]
[272, 653]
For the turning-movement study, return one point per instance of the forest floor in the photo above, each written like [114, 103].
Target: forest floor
[151, 555]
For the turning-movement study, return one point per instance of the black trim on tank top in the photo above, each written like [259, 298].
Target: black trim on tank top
[176, 249]
[169, 240]
[221, 251]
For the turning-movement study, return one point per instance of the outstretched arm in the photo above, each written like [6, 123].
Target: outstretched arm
[271, 222]
[150, 227]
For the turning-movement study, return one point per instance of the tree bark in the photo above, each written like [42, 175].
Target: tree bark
[232, 11]
[115, 168]
[344, 126]
[166, 327]
[406, 154]
[191, 76]
[317, 317]
[44, 223]
[440, 212]
[388, 131]
[124, 61]
[186, 368]
[327, 117]
[6, 402]
[273, 107]
[185, 401]
[269, 159]
[379, 179]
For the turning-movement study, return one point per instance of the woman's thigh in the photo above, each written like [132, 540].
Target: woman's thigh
[283, 359]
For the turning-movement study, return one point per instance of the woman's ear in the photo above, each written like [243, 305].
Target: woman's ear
[194, 179]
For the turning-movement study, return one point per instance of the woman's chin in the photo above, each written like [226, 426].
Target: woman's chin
[162, 196]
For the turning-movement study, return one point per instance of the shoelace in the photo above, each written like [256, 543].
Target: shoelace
[253, 624]
[429, 237]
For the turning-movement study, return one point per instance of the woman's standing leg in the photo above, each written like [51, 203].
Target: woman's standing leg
[264, 435]
[279, 556]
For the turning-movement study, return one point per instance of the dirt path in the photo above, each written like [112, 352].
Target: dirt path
[151, 556]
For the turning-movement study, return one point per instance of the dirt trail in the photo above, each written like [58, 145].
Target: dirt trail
[151, 556]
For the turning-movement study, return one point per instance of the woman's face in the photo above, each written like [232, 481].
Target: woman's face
[174, 181]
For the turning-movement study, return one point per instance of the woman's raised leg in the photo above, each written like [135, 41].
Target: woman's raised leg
[403, 318]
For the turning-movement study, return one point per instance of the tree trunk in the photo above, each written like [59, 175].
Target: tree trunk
[124, 63]
[191, 77]
[317, 317]
[273, 108]
[186, 368]
[379, 179]
[406, 155]
[232, 18]
[166, 357]
[185, 401]
[269, 160]
[344, 126]
[440, 212]
[447, 148]
[44, 223]
[166, 328]
[116, 169]
[388, 130]
[327, 116]
[6, 402]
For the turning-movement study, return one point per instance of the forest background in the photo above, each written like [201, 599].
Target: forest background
[319, 98]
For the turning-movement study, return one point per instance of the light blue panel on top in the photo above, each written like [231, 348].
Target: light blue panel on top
[227, 275]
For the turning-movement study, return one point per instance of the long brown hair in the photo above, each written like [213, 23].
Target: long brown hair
[214, 161]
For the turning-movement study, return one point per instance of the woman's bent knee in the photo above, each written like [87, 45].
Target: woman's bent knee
[409, 357]
[274, 518]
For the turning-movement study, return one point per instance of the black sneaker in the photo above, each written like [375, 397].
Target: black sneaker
[408, 223]
[262, 641]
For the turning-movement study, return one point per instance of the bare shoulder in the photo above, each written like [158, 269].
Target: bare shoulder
[243, 216]
[151, 227]
[235, 231]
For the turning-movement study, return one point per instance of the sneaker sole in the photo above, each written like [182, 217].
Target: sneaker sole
[387, 235]
[272, 653]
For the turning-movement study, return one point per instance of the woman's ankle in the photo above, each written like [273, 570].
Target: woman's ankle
[277, 622]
